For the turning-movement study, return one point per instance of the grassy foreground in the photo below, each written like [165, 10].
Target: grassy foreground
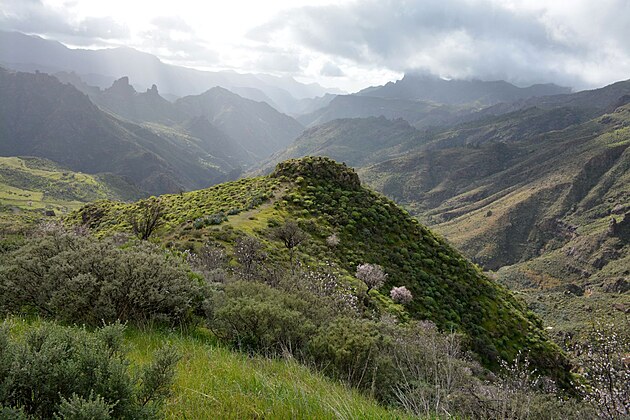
[215, 382]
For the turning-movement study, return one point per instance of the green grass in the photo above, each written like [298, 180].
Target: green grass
[215, 382]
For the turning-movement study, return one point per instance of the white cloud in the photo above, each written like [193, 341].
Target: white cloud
[350, 44]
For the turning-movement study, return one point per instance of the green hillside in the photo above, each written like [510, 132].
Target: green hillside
[547, 208]
[327, 199]
[355, 141]
[29, 186]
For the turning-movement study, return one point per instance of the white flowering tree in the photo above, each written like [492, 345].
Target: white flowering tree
[401, 295]
[372, 275]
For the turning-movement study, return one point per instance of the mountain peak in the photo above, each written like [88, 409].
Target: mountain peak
[122, 87]
[153, 90]
[319, 168]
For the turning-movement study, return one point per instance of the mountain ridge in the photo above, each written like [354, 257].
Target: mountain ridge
[458, 92]
[28, 53]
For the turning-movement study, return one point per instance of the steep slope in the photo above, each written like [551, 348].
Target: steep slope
[457, 92]
[42, 117]
[159, 115]
[215, 141]
[327, 198]
[256, 126]
[544, 203]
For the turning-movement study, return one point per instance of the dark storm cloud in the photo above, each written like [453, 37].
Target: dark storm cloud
[32, 16]
[460, 38]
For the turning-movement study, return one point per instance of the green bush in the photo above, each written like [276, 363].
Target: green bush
[258, 318]
[79, 279]
[80, 408]
[349, 349]
[71, 373]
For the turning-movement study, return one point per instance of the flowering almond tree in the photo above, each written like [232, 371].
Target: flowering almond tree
[372, 275]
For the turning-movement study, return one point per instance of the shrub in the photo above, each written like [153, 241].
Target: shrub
[72, 373]
[349, 349]
[258, 318]
[146, 217]
[291, 236]
[249, 254]
[211, 261]
[92, 407]
[209, 220]
[84, 280]
[324, 290]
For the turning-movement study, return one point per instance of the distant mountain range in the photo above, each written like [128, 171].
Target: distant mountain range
[428, 101]
[421, 87]
[101, 67]
[531, 184]
[40, 116]
[250, 130]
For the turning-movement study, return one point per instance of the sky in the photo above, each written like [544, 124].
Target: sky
[354, 44]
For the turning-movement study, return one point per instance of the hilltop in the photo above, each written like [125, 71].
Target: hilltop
[326, 199]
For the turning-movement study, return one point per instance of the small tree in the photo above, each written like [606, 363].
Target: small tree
[604, 361]
[248, 252]
[372, 275]
[401, 295]
[146, 218]
[291, 235]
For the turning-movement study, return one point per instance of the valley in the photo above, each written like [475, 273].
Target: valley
[407, 250]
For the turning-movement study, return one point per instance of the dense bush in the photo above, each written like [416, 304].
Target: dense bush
[80, 279]
[312, 316]
[72, 373]
[350, 349]
[256, 317]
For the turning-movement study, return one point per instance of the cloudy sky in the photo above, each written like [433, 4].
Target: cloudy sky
[353, 44]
